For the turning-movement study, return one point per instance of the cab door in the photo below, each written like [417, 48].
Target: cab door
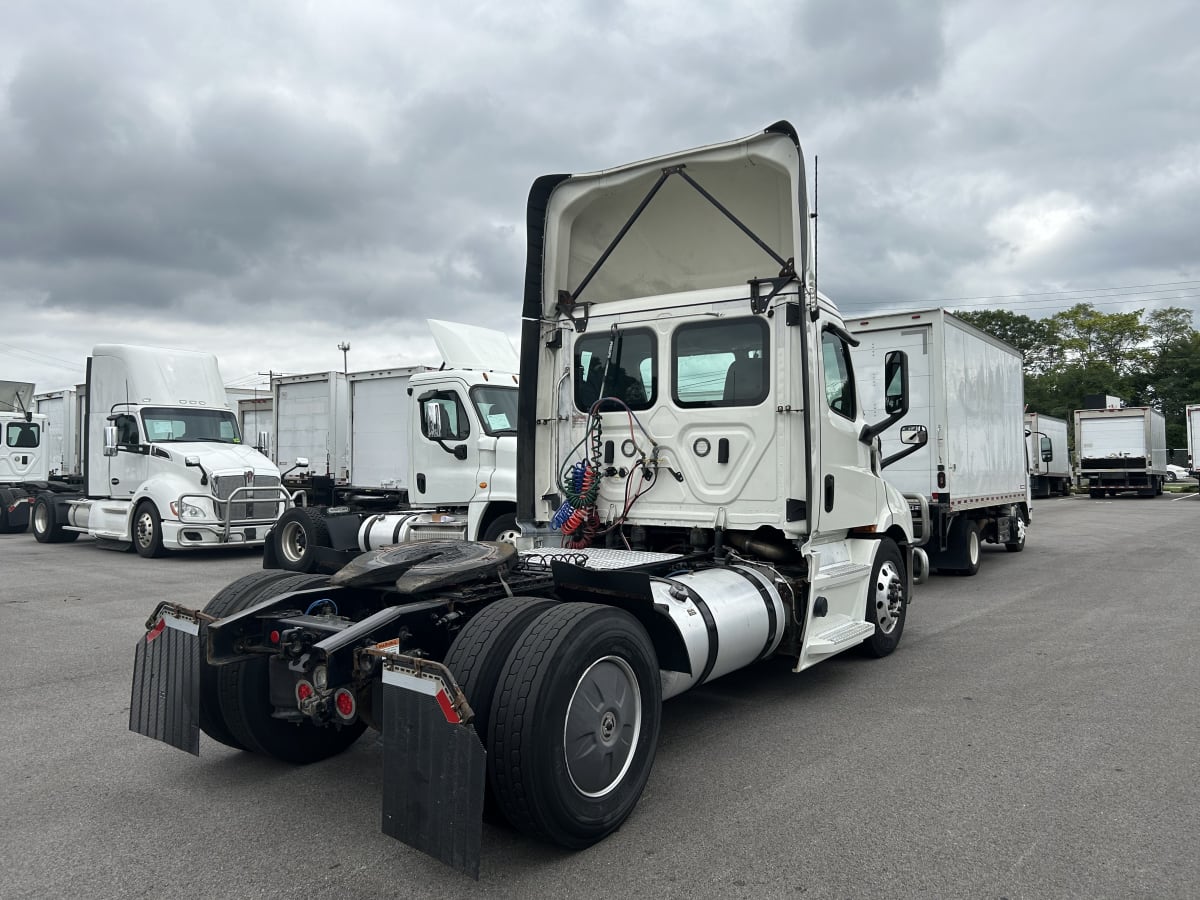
[846, 494]
[445, 455]
[128, 469]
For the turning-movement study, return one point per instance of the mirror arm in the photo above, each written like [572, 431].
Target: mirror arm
[895, 457]
[870, 432]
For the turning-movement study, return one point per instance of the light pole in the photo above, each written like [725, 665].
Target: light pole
[344, 346]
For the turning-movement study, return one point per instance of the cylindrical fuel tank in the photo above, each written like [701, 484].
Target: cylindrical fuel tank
[729, 617]
[384, 530]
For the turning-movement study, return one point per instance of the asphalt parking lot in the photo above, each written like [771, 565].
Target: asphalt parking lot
[1037, 734]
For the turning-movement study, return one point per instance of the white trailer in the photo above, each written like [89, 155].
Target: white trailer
[64, 430]
[252, 407]
[968, 395]
[1191, 415]
[1121, 450]
[1050, 470]
[311, 420]
[164, 464]
[432, 455]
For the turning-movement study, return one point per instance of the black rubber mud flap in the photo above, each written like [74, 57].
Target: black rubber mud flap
[164, 703]
[434, 765]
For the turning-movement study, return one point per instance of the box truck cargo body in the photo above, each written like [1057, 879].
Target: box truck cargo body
[1191, 415]
[64, 429]
[968, 394]
[1121, 450]
[1049, 460]
[311, 420]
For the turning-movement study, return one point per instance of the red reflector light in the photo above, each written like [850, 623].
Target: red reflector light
[343, 700]
[448, 709]
[156, 630]
[274, 637]
[304, 691]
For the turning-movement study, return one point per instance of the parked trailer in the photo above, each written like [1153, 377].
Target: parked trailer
[64, 430]
[968, 396]
[1192, 421]
[1049, 459]
[670, 535]
[164, 466]
[253, 409]
[432, 456]
[1121, 450]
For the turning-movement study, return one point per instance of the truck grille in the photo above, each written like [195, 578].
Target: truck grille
[243, 508]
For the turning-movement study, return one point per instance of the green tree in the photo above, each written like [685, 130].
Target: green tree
[1090, 336]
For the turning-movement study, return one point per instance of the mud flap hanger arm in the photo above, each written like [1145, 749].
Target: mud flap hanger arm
[569, 300]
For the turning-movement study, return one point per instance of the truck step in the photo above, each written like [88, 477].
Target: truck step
[840, 637]
[839, 573]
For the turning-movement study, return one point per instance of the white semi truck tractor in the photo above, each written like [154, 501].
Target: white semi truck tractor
[426, 454]
[697, 489]
[24, 456]
[165, 464]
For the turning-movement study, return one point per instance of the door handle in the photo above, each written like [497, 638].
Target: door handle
[421, 482]
[828, 493]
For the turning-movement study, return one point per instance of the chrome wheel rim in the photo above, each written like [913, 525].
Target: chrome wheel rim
[889, 597]
[973, 548]
[145, 529]
[41, 523]
[602, 727]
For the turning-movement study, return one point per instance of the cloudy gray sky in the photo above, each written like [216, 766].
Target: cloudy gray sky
[266, 179]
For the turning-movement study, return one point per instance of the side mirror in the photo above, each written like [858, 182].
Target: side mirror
[460, 452]
[264, 443]
[1047, 450]
[301, 462]
[433, 422]
[895, 395]
[914, 437]
[191, 461]
[895, 381]
[110, 440]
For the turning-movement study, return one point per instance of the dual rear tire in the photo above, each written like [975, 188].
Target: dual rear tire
[567, 700]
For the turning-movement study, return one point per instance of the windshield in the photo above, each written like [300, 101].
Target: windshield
[175, 424]
[497, 408]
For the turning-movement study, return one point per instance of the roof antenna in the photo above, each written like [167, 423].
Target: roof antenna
[813, 216]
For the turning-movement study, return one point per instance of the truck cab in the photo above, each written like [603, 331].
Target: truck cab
[24, 458]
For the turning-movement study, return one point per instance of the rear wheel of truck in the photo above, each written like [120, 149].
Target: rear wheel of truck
[887, 600]
[45, 525]
[964, 538]
[244, 696]
[297, 535]
[147, 530]
[502, 528]
[574, 724]
[232, 598]
[1019, 544]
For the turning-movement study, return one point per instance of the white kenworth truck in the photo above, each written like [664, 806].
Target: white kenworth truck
[165, 467]
[427, 454]
[697, 490]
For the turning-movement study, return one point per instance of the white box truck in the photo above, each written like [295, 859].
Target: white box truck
[741, 517]
[164, 464]
[1050, 472]
[1121, 450]
[431, 453]
[1191, 418]
[968, 394]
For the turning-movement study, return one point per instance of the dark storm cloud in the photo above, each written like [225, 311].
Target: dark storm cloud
[275, 178]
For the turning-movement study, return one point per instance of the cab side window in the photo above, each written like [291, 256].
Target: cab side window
[127, 429]
[839, 375]
[443, 418]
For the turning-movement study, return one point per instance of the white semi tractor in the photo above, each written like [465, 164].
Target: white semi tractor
[1050, 471]
[1121, 449]
[164, 464]
[400, 454]
[698, 489]
[24, 458]
[968, 394]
